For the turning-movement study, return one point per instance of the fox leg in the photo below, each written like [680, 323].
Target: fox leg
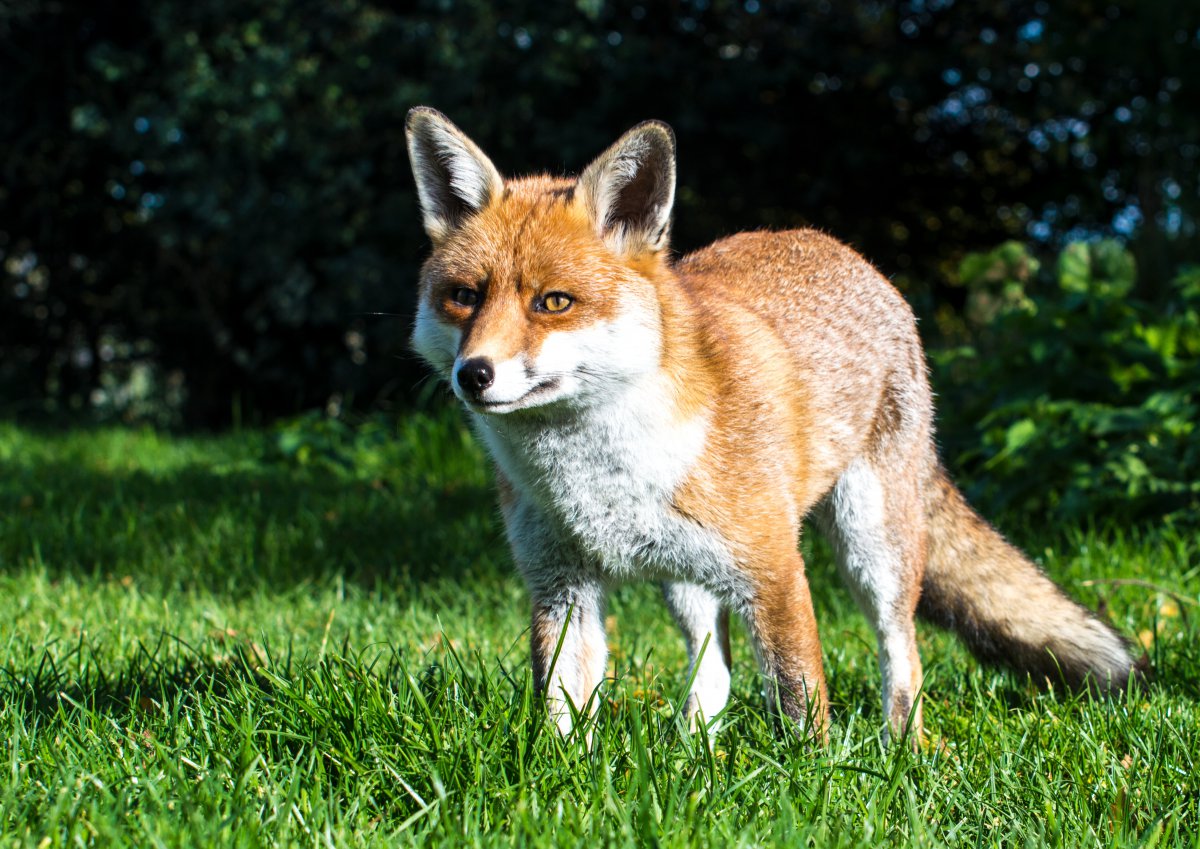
[705, 627]
[568, 650]
[877, 529]
[783, 625]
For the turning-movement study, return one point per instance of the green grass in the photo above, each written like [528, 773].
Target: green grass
[202, 643]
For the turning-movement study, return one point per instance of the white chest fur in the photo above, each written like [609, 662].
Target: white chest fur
[605, 479]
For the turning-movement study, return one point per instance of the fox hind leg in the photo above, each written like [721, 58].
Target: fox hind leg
[876, 526]
[705, 626]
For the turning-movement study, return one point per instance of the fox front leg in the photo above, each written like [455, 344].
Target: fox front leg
[568, 649]
[705, 626]
[784, 628]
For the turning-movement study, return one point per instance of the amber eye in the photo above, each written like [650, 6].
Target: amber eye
[556, 302]
[464, 297]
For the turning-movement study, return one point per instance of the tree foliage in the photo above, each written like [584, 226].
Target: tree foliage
[202, 203]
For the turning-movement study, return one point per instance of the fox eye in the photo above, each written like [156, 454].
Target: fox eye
[556, 302]
[464, 297]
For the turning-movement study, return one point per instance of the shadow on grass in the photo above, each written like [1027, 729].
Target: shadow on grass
[49, 683]
[349, 694]
[219, 529]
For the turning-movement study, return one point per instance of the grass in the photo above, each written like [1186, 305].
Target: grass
[207, 641]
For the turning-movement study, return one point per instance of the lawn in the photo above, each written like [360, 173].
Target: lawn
[266, 639]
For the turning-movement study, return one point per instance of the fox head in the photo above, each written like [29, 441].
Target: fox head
[539, 293]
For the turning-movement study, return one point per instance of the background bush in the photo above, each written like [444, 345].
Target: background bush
[1073, 396]
[204, 205]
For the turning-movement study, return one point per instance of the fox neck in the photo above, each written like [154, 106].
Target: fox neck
[689, 364]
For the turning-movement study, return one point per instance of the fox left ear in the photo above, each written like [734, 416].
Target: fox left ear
[629, 189]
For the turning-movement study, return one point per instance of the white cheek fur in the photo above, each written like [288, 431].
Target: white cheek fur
[435, 341]
[604, 353]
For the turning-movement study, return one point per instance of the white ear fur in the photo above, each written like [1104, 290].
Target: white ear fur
[454, 177]
[629, 189]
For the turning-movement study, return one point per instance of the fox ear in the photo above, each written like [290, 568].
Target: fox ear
[629, 189]
[454, 177]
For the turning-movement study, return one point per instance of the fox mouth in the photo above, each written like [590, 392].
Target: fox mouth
[529, 399]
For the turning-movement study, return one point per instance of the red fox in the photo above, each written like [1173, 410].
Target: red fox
[678, 419]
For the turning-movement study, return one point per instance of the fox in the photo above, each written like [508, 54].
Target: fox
[677, 419]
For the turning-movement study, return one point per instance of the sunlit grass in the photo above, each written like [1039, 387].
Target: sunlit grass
[203, 643]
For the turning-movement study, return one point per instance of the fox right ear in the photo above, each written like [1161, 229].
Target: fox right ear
[454, 177]
[629, 189]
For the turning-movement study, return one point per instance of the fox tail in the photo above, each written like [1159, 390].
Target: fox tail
[1005, 608]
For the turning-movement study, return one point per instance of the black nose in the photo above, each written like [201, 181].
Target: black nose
[476, 375]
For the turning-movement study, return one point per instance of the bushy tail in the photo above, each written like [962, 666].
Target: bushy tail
[1005, 609]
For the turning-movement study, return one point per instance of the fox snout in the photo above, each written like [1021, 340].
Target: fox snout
[497, 386]
[475, 375]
